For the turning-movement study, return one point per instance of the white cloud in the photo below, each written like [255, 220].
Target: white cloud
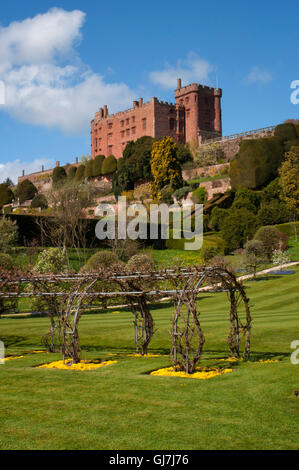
[256, 75]
[45, 81]
[14, 169]
[192, 69]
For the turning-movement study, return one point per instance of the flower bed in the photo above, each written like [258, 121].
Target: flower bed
[83, 365]
[202, 373]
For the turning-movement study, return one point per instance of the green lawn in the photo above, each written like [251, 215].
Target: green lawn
[122, 407]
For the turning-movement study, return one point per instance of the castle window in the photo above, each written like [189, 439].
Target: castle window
[171, 124]
[110, 125]
[187, 113]
[127, 121]
[122, 123]
[133, 130]
[144, 123]
[110, 149]
[128, 131]
[187, 100]
[195, 98]
[122, 133]
[110, 136]
[133, 118]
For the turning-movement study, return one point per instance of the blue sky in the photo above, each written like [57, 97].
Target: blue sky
[61, 61]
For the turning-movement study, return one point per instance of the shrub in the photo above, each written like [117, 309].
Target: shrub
[183, 154]
[97, 165]
[101, 259]
[273, 212]
[6, 261]
[51, 260]
[246, 198]
[6, 195]
[140, 262]
[109, 165]
[286, 131]
[208, 252]
[272, 240]
[238, 227]
[253, 255]
[256, 163]
[280, 257]
[26, 190]
[8, 233]
[80, 173]
[217, 217]
[39, 201]
[182, 193]
[199, 195]
[88, 171]
[72, 172]
[58, 176]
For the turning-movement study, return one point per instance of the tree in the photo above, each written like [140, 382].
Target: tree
[109, 165]
[273, 212]
[8, 233]
[39, 200]
[289, 180]
[134, 166]
[272, 239]
[58, 176]
[6, 195]
[166, 169]
[286, 131]
[84, 159]
[238, 227]
[97, 165]
[253, 256]
[26, 190]
[256, 163]
[9, 183]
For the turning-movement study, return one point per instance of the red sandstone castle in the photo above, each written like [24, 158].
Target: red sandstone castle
[196, 116]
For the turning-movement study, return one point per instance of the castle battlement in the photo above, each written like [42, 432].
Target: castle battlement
[197, 108]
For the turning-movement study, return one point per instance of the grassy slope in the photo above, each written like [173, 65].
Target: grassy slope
[120, 407]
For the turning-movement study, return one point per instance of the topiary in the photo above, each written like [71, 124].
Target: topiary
[80, 173]
[109, 165]
[72, 172]
[256, 163]
[88, 172]
[26, 190]
[101, 259]
[238, 227]
[217, 217]
[6, 195]
[39, 201]
[58, 176]
[286, 131]
[273, 212]
[97, 164]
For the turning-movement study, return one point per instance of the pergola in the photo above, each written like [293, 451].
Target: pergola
[69, 295]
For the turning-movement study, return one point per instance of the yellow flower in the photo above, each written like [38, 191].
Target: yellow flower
[202, 373]
[83, 365]
[10, 358]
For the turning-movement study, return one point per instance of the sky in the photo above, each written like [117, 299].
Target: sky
[61, 61]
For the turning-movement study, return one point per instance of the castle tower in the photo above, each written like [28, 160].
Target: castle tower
[202, 107]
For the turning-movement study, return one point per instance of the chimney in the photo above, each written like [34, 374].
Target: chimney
[105, 111]
[23, 172]
[140, 101]
[179, 83]
[135, 104]
[76, 160]
[57, 164]
[43, 168]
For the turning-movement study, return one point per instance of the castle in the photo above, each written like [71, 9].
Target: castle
[195, 117]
